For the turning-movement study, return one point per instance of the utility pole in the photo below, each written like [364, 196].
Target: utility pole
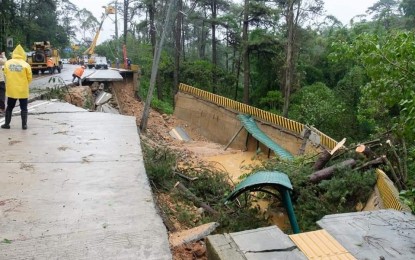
[117, 48]
[154, 69]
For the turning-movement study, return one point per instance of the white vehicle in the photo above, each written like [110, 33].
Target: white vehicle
[101, 62]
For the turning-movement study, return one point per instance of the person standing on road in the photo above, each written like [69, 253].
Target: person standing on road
[128, 63]
[50, 65]
[18, 75]
[3, 60]
[78, 74]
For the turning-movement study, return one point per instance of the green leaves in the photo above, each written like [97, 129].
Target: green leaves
[388, 62]
[317, 105]
[408, 197]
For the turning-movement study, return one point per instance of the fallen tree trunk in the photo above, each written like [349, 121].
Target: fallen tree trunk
[372, 163]
[325, 156]
[197, 201]
[366, 151]
[322, 160]
[328, 172]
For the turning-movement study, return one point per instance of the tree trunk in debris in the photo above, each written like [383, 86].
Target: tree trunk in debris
[372, 163]
[328, 172]
[325, 156]
[322, 160]
[197, 201]
[366, 151]
[167, 222]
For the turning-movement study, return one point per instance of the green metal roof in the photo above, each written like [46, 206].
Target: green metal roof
[252, 128]
[261, 179]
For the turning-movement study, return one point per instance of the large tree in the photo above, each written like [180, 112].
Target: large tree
[295, 12]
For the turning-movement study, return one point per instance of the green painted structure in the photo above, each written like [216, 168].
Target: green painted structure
[262, 180]
[252, 128]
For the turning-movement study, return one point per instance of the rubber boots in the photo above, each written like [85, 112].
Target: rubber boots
[23, 114]
[8, 118]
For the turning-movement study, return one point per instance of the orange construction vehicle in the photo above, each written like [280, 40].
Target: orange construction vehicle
[42, 52]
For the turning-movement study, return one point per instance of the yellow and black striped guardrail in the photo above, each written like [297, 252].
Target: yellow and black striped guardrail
[388, 193]
[275, 119]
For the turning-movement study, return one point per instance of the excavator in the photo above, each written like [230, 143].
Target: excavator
[95, 61]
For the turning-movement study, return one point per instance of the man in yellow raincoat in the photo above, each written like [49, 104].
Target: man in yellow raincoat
[18, 75]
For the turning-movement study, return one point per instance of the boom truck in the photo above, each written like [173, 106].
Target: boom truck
[95, 61]
[42, 51]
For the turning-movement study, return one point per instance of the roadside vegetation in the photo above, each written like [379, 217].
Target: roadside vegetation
[208, 184]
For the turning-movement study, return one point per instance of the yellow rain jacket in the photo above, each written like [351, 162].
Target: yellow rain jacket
[18, 74]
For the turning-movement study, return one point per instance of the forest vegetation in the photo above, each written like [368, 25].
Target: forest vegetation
[354, 80]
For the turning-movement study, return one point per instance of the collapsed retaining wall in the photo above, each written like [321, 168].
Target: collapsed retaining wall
[220, 125]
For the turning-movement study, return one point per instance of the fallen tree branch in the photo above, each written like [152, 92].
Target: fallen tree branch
[375, 162]
[197, 201]
[405, 159]
[328, 172]
[393, 173]
[397, 158]
[185, 176]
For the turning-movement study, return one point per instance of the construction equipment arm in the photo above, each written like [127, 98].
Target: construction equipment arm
[91, 48]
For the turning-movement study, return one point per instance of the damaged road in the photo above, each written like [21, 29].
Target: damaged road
[74, 186]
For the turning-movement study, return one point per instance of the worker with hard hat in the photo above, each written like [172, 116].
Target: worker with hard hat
[50, 65]
[78, 72]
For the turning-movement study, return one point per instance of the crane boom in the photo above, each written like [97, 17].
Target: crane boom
[91, 48]
[90, 52]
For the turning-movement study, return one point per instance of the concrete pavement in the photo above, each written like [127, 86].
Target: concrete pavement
[74, 186]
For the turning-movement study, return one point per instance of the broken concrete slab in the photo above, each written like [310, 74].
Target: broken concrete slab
[102, 98]
[106, 108]
[104, 75]
[257, 244]
[179, 134]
